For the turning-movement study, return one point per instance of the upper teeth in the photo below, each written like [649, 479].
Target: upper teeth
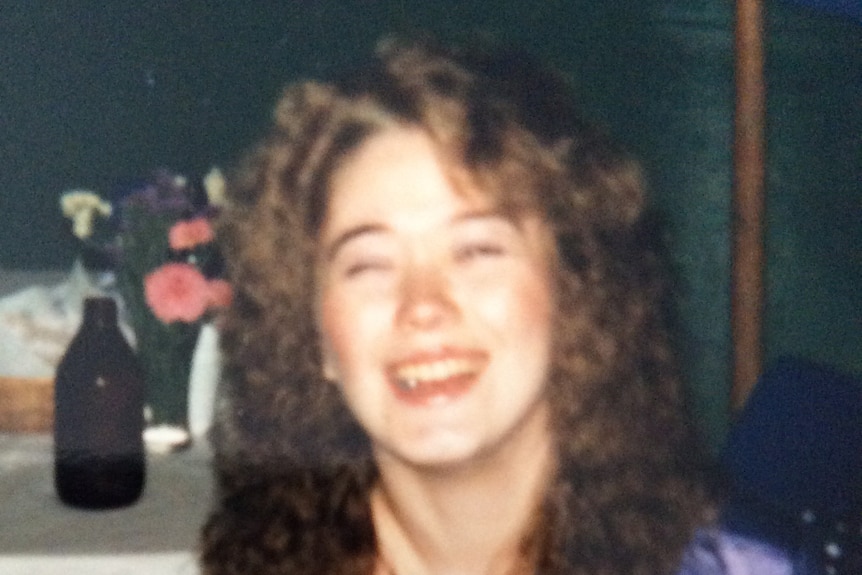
[407, 384]
[410, 376]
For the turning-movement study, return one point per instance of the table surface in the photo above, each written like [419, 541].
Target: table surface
[158, 534]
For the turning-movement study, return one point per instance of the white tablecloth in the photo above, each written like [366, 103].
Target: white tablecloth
[156, 536]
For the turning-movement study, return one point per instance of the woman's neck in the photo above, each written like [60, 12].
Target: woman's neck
[470, 519]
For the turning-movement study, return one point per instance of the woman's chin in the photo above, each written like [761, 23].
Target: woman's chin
[439, 453]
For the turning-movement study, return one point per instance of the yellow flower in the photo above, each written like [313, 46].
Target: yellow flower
[214, 184]
[82, 207]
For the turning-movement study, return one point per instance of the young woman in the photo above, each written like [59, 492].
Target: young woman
[447, 351]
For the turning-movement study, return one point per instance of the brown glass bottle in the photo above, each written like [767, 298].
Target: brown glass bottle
[99, 459]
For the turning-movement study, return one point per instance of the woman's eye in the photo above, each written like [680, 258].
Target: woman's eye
[479, 250]
[362, 267]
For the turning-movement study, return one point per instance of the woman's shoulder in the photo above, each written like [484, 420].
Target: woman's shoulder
[719, 552]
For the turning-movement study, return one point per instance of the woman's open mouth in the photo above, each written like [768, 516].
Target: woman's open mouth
[446, 375]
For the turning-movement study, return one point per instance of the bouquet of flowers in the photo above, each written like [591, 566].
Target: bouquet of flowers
[168, 273]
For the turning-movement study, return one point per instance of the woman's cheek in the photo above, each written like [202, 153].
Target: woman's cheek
[334, 334]
[350, 327]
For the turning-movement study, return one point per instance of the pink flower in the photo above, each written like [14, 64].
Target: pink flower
[186, 234]
[220, 293]
[177, 292]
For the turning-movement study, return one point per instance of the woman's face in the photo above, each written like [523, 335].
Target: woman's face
[434, 308]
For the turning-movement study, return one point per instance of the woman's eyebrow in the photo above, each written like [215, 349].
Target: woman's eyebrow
[477, 214]
[349, 234]
[484, 214]
[331, 251]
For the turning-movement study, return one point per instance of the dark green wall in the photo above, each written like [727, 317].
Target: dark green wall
[815, 188]
[94, 94]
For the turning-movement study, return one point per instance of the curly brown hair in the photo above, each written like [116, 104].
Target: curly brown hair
[295, 469]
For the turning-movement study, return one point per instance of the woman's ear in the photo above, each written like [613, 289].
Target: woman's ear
[330, 373]
[327, 357]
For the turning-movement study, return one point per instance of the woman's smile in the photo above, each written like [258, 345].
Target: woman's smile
[436, 377]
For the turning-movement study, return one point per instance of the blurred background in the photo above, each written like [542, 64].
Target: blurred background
[97, 95]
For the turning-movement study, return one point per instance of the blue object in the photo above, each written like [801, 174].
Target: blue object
[798, 441]
[852, 8]
[794, 459]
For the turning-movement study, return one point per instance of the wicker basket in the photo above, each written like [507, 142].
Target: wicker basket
[26, 404]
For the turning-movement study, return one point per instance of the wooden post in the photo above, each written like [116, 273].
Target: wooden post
[748, 201]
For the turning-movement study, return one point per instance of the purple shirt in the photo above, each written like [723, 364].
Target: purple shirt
[715, 552]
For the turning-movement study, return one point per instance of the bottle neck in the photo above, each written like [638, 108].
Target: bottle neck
[100, 313]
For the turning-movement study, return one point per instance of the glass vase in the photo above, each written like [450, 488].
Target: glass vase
[166, 352]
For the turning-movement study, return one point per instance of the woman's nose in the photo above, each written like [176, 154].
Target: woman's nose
[425, 298]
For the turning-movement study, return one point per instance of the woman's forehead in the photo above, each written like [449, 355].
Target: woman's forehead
[398, 174]
[401, 154]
